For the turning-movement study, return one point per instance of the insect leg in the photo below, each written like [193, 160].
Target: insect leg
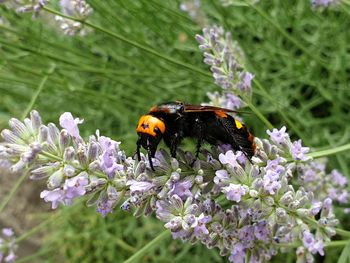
[150, 158]
[199, 127]
[138, 143]
[150, 154]
[173, 145]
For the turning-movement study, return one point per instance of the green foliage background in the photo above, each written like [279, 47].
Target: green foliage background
[301, 58]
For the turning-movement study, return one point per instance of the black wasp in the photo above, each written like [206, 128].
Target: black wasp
[174, 121]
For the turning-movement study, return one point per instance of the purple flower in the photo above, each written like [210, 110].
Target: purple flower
[71, 125]
[11, 257]
[228, 100]
[298, 152]
[182, 189]
[55, 196]
[271, 182]
[311, 244]
[109, 156]
[105, 206]
[232, 102]
[339, 195]
[221, 178]
[246, 236]
[309, 175]
[279, 137]
[316, 208]
[262, 232]
[75, 186]
[229, 158]
[140, 186]
[274, 166]
[338, 178]
[327, 203]
[237, 253]
[7, 232]
[234, 192]
[246, 82]
[201, 228]
[324, 3]
[177, 214]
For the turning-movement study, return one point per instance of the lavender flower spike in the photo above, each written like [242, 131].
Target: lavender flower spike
[225, 58]
[78, 9]
[277, 198]
[73, 167]
[324, 3]
[8, 245]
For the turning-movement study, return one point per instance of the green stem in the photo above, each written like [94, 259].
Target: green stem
[310, 54]
[60, 159]
[125, 245]
[36, 228]
[337, 243]
[342, 232]
[136, 257]
[39, 89]
[331, 151]
[51, 156]
[259, 115]
[12, 191]
[289, 122]
[31, 257]
[130, 42]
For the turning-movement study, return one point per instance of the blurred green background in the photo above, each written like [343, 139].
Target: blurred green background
[301, 57]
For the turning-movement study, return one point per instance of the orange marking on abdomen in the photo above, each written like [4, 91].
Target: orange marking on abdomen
[220, 114]
[251, 139]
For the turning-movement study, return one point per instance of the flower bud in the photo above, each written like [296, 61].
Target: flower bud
[198, 179]
[81, 154]
[253, 193]
[92, 152]
[35, 120]
[68, 154]
[175, 176]
[55, 180]
[281, 214]
[140, 168]
[125, 206]
[43, 134]
[287, 198]
[10, 137]
[68, 170]
[95, 166]
[18, 166]
[53, 132]
[174, 163]
[269, 200]
[294, 205]
[64, 139]
[18, 128]
[302, 212]
[112, 193]
[41, 172]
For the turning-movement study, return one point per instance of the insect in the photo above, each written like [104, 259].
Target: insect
[174, 121]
